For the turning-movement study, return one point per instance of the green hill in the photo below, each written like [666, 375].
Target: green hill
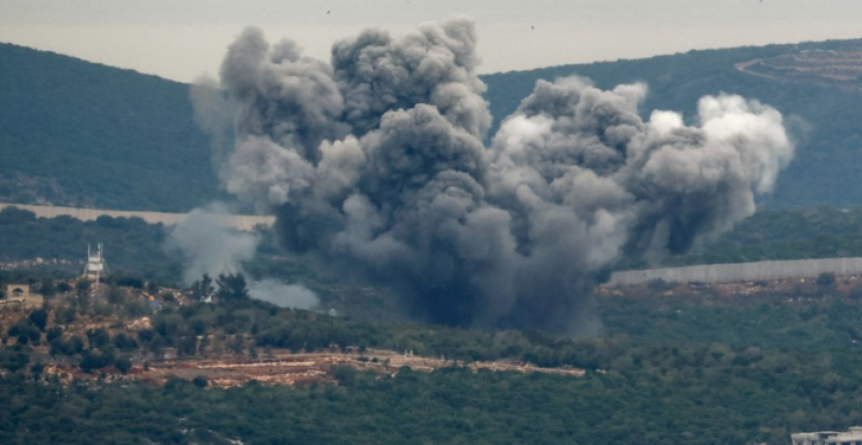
[83, 134]
[78, 133]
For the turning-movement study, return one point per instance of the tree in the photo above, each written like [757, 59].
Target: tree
[200, 381]
[123, 364]
[25, 330]
[231, 287]
[47, 287]
[98, 338]
[202, 288]
[826, 279]
[39, 317]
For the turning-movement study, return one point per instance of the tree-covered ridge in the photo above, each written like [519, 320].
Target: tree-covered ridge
[83, 134]
[715, 387]
[78, 133]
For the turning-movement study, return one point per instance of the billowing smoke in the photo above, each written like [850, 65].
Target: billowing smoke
[375, 161]
[207, 246]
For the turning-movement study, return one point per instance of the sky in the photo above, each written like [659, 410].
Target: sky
[184, 39]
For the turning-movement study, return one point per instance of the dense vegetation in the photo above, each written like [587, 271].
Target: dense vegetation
[789, 234]
[707, 403]
[698, 370]
[130, 244]
[78, 133]
[83, 134]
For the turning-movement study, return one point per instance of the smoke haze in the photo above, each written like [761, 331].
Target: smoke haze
[207, 247]
[375, 161]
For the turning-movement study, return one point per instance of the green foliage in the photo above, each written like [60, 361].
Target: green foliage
[73, 346]
[231, 287]
[767, 322]
[826, 279]
[92, 360]
[130, 245]
[707, 368]
[200, 381]
[98, 338]
[13, 360]
[39, 318]
[705, 400]
[84, 134]
[25, 330]
[202, 288]
[769, 235]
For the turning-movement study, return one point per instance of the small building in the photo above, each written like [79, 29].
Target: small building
[17, 293]
[851, 437]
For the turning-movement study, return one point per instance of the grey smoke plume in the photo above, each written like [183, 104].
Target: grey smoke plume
[376, 162]
[207, 246]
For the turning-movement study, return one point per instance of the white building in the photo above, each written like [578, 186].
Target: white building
[851, 437]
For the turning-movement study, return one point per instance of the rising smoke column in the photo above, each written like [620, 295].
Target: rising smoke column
[376, 161]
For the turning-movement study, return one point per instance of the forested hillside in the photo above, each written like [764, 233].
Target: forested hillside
[82, 134]
[703, 370]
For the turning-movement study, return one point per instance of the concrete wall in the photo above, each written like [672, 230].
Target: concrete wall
[239, 222]
[760, 271]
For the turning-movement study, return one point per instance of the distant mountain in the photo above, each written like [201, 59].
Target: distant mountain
[78, 133]
[84, 134]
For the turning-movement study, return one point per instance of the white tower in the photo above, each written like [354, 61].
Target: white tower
[96, 265]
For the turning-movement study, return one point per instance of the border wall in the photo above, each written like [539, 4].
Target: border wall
[722, 273]
[244, 223]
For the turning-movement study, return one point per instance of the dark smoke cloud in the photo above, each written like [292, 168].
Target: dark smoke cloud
[376, 161]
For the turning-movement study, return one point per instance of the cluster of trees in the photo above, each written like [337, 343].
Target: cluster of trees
[229, 287]
[703, 394]
[703, 369]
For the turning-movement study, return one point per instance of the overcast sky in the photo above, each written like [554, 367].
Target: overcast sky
[182, 39]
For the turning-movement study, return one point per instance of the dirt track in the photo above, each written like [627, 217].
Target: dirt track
[284, 368]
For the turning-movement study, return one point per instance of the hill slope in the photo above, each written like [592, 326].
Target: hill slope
[77, 133]
[83, 134]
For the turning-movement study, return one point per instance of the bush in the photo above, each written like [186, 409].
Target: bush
[826, 279]
[39, 317]
[200, 381]
[25, 330]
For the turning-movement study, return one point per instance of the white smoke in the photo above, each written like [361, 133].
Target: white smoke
[375, 161]
[209, 246]
[283, 295]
